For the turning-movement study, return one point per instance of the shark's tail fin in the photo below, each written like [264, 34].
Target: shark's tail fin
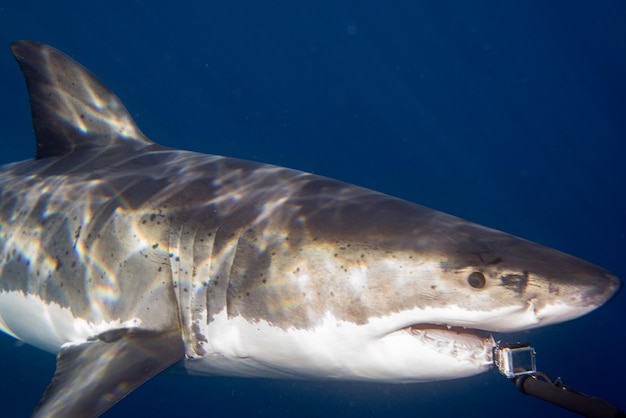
[71, 108]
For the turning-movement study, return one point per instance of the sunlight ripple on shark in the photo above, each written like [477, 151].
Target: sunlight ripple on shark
[126, 257]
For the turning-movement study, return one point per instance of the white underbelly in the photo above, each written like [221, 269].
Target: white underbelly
[47, 325]
[332, 350]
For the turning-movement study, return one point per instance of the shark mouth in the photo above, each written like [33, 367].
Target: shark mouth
[455, 341]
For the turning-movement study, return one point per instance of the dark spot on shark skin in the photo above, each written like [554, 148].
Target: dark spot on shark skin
[495, 261]
[553, 290]
[516, 282]
[77, 235]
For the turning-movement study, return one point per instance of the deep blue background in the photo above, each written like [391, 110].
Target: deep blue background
[510, 114]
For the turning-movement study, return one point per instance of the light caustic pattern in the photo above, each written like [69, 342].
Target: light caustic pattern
[70, 242]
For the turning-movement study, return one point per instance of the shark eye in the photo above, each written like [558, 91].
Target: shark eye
[476, 280]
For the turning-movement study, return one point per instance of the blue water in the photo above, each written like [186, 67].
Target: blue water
[509, 114]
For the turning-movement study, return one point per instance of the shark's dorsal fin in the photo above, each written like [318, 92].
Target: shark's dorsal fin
[71, 108]
[91, 377]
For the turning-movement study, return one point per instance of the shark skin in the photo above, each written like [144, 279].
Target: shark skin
[124, 257]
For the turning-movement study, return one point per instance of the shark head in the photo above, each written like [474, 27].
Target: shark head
[371, 287]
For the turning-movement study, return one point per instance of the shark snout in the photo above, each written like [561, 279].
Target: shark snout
[607, 286]
[558, 299]
[571, 299]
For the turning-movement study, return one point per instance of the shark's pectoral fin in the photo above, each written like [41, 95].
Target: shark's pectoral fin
[92, 377]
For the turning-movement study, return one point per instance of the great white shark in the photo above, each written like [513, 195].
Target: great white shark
[125, 257]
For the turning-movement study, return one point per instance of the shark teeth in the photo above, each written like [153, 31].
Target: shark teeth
[460, 342]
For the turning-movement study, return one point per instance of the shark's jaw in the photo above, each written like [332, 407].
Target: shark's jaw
[384, 349]
[412, 346]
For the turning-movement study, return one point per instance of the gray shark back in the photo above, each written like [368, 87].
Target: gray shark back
[126, 257]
